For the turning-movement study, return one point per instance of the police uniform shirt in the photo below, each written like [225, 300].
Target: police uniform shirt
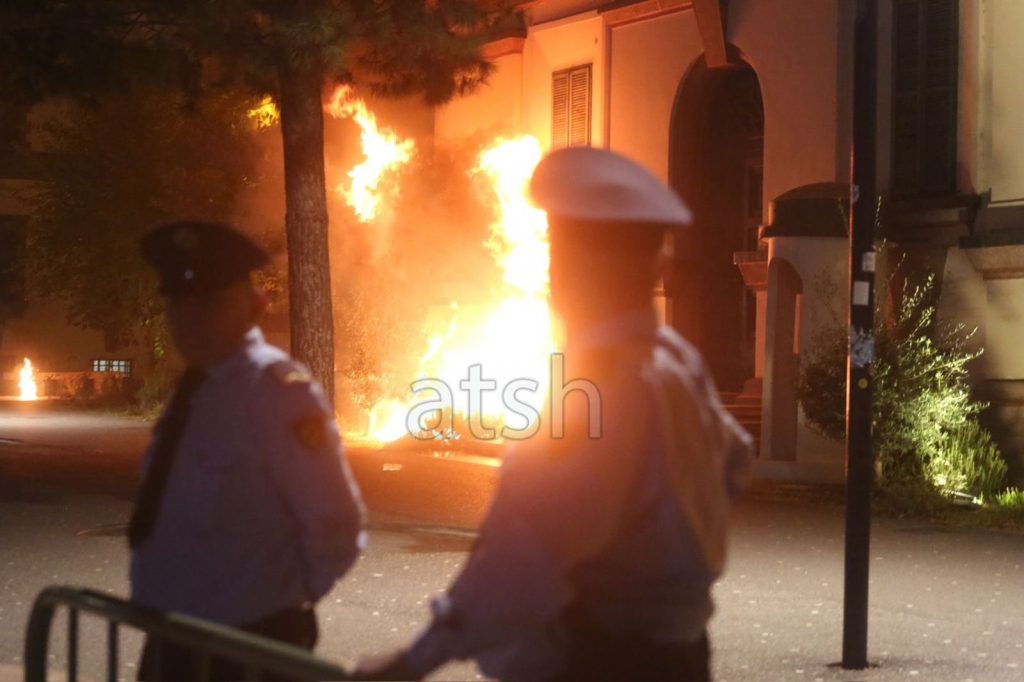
[631, 526]
[260, 511]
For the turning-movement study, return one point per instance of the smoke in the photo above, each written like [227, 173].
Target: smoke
[401, 276]
[398, 279]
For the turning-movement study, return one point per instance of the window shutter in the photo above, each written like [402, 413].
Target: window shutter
[905, 96]
[560, 109]
[579, 107]
[570, 107]
[938, 120]
[924, 96]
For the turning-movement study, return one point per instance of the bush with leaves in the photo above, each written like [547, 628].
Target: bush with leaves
[1011, 498]
[115, 168]
[967, 461]
[925, 426]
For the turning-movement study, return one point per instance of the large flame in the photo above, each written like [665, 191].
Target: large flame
[510, 337]
[384, 151]
[27, 382]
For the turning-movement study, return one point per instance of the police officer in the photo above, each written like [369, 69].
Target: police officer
[247, 513]
[597, 558]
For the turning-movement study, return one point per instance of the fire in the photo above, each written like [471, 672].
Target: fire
[511, 336]
[265, 114]
[27, 382]
[519, 240]
[383, 149]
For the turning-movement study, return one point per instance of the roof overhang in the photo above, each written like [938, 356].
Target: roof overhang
[710, 15]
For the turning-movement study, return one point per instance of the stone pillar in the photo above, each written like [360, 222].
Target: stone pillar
[808, 250]
[782, 365]
[753, 266]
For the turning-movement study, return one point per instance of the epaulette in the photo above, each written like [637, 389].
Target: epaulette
[288, 372]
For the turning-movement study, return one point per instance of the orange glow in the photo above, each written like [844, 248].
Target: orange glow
[28, 390]
[384, 152]
[509, 335]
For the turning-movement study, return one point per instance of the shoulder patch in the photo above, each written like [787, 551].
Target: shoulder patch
[287, 372]
[311, 430]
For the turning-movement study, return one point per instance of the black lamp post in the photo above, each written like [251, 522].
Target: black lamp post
[859, 455]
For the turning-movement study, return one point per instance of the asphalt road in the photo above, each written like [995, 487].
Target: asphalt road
[946, 604]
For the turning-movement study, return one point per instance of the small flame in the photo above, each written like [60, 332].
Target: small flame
[27, 382]
[265, 114]
[384, 151]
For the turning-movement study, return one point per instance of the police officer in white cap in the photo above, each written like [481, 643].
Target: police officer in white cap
[247, 513]
[598, 555]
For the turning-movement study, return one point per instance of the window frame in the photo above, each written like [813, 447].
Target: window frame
[565, 139]
[922, 181]
[120, 366]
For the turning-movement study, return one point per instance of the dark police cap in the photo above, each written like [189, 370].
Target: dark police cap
[198, 257]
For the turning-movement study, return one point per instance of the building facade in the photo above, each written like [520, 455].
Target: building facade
[744, 106]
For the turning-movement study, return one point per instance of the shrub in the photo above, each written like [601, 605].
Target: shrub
[922, 394]
[967, 461]
[83, 387]
[156, 388]
[821, 386]
[1011, 498]
[925, 427]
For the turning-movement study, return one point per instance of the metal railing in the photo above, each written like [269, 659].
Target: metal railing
[255, 655]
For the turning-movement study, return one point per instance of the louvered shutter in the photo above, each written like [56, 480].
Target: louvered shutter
[560, 109]
[924, 96]
[570, 107]
[579, 107]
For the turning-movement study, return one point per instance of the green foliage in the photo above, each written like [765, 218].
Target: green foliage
[925, 425]
[116, 169]
[922, 393]
[967, 461]
[821, 386]
[157, 386]
[1011, 498]
[911, 499]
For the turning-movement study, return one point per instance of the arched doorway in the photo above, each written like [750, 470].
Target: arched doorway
[715, 163]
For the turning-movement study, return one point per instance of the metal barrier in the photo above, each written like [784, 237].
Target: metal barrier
[255, 654]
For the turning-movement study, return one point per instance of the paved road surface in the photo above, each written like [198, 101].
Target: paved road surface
[946, 605]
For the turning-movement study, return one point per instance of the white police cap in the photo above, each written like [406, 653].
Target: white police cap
[597, 185]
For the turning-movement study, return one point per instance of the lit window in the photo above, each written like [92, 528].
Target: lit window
[123, 367]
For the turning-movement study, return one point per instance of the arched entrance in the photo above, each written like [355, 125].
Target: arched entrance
[715, 163]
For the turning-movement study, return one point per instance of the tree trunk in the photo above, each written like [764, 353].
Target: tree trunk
[309, 277]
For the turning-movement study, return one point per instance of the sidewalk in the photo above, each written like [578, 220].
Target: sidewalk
[945, 604]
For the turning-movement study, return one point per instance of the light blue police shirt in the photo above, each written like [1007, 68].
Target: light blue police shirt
[631, 525]
[260, 511]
